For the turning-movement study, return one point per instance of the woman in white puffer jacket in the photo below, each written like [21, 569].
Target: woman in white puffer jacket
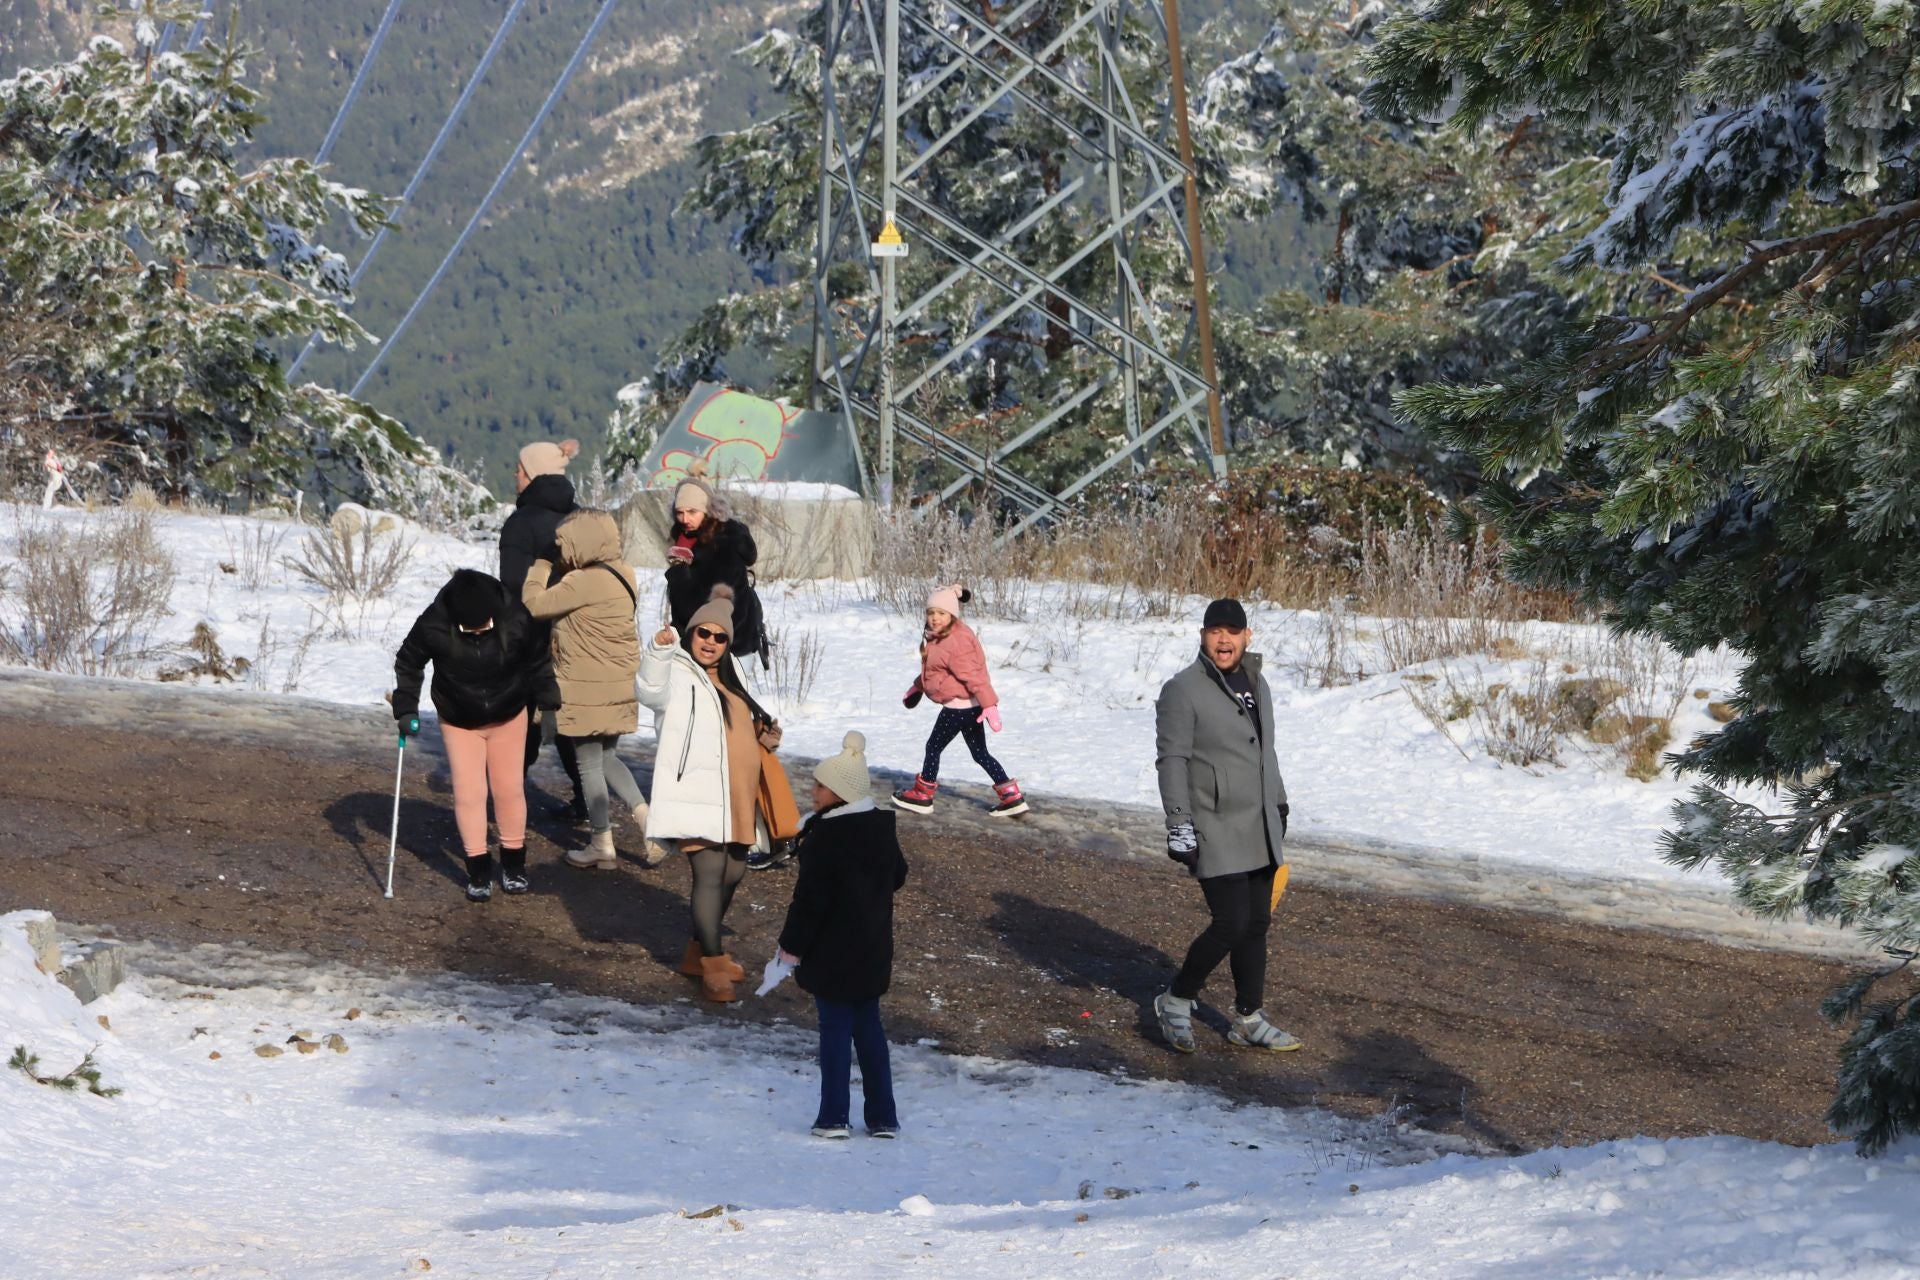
[706, 774]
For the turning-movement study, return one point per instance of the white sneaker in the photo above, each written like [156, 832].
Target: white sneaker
[1253, 1031]
[832, 1131]
[1176, 1020]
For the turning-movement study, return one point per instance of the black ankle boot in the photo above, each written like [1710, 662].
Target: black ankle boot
[480, 878]
[513, 869]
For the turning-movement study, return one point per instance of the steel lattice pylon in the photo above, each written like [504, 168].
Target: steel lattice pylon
[891, 135]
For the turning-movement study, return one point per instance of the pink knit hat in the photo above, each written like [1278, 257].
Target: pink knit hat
[949, 598]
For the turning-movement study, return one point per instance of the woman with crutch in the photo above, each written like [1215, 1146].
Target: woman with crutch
[490, 664]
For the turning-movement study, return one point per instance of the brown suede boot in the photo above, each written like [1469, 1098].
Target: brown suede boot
[690, 962]
[715, 982]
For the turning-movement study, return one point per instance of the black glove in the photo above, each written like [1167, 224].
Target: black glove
[1285, 809]
[1183, 846]
[409, 724]
[549, 725]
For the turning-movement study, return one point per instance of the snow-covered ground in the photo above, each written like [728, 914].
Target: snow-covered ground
[479, 1131]
[1076, 694]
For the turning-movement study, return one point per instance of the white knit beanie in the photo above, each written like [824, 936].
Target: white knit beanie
[846, 774]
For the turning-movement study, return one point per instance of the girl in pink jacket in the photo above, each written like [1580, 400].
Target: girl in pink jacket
[953, 672]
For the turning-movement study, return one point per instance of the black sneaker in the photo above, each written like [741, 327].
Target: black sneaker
[479, 892]
[514, 882]
[834, 1131]
[766, 860]
[886, 1131]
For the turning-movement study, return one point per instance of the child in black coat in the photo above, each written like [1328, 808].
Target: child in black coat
[839, 932]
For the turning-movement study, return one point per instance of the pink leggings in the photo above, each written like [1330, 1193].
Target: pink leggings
[491, 754]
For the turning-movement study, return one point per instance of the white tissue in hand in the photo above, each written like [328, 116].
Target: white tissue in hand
[773, 975]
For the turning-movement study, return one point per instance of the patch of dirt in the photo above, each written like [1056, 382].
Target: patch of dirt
[1517, 1029]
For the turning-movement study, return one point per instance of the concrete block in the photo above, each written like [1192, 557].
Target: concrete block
[96, 969]
[43, 936]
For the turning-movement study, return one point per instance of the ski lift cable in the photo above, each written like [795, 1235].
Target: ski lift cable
[359, 78]
[433, 153]
[486, 201]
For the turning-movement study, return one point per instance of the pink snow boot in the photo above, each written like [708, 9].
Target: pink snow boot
[917, 798]
[1011, 800]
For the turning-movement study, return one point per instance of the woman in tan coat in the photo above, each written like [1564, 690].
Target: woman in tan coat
[596, 655]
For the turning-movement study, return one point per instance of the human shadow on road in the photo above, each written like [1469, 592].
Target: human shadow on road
[1078, 952]
[364, 821]
[1386, 1065]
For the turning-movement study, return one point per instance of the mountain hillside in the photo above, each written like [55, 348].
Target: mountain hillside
[582, 268]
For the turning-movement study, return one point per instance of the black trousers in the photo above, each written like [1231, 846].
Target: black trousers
[1242, 907]
[561, 743]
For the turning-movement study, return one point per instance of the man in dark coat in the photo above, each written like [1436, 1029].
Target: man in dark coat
[545, 498]
[1226, 810]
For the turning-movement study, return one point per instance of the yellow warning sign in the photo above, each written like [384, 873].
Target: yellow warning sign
[890, 244]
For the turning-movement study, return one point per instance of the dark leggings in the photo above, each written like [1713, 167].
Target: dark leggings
[568, 760]
[718, 870]
[1242, 906]
[964, 722]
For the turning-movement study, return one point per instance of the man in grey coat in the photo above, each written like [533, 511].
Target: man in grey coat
[1226, 812]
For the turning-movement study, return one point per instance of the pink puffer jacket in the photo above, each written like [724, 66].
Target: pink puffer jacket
[953, 669]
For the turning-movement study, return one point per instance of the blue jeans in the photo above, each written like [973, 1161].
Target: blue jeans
[846, 1030]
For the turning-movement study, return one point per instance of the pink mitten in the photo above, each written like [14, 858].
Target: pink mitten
[991, 718]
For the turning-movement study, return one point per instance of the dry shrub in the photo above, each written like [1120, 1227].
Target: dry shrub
[252, 552]
[356, 564]
[915, 551]
[1332, 540]
[86, 599]
[1624, 706]
[1439, 598]
[797, 662]
[208, 659]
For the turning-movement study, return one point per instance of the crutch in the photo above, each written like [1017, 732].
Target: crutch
[393, 842]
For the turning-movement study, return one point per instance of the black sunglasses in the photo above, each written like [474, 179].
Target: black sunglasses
[708, 633]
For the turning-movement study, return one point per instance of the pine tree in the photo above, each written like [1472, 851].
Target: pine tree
[1430, 246]
[149, 286]
[1730, 458]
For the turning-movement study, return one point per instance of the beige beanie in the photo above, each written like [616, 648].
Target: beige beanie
[692, 495]
[545, 458]
[716, 612]
[846, 774]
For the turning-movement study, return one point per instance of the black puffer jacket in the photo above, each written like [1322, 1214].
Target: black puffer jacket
[478, 680]
[841, 920]
[724, 558]
[528, 534]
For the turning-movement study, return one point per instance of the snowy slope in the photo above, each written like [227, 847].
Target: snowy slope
[506, 1133]
[1077, 697]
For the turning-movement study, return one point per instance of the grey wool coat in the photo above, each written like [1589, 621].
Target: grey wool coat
[1216, 771]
